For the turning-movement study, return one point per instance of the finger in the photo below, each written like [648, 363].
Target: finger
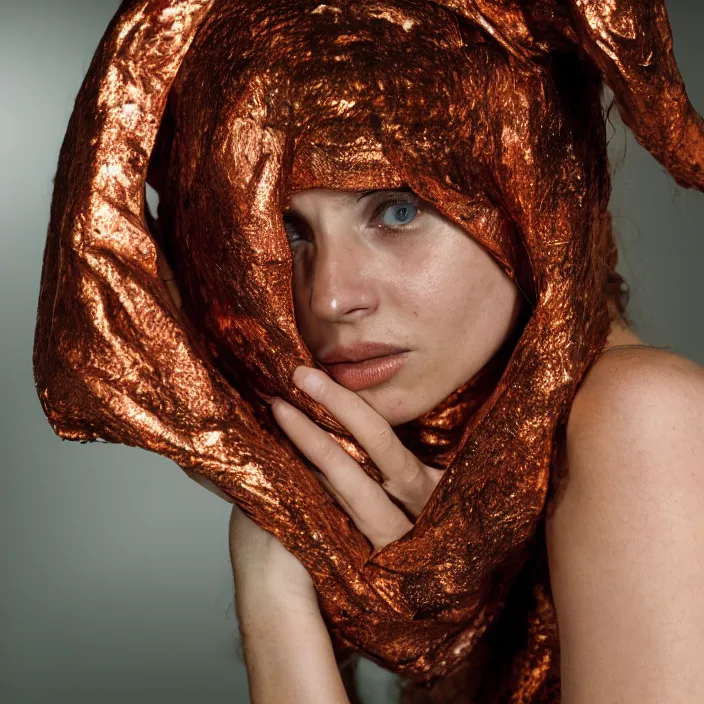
[349, 510]
[367, 504]
[332, 491]
[405, 476]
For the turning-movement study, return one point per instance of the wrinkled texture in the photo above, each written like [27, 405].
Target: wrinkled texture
[490, 111]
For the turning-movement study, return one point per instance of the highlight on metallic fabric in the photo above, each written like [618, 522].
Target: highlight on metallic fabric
[489, 110]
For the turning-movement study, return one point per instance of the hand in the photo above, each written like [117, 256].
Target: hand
[366, 502]
[262, 566]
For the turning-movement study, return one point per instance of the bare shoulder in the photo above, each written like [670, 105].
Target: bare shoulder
[635, 386]
[625, 554]
[637, 424]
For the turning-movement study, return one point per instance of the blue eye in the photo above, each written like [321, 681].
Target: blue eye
[401, 214]
[289, 227]
[293, 227]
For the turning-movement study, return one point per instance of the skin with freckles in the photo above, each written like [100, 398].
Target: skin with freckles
[388, 267]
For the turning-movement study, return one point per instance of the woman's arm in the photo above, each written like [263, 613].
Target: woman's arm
[287, 649]
[289, 658]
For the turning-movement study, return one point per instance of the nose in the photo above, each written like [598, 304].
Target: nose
[339, 276]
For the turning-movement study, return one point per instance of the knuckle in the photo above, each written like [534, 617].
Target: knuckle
[369, 492]
[363, 500]
[416, 474]
[413, 489]
[323, 451]
[386, 439]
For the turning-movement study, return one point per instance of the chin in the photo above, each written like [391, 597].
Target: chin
[392, 403]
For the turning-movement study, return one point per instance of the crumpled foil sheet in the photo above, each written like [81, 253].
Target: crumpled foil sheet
[490, 110]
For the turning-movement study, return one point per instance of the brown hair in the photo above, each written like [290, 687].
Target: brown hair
[618, 293]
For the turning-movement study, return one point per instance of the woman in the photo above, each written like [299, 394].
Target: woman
[287, 647]
[487, 119]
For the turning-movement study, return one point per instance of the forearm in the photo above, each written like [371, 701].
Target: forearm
[289, 657]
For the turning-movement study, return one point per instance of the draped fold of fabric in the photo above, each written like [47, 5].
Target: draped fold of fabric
[491, 110]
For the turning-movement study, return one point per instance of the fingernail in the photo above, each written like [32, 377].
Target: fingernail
[307, 380]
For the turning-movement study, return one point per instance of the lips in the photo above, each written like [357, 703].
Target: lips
[359, 352]
[356, 376]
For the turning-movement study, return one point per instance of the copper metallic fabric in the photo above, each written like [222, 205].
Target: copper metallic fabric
[491, 111]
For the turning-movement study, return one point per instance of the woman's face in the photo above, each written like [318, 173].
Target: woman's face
[386, 267]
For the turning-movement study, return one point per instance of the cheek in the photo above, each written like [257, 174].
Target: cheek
[460, 305]
[445, 286]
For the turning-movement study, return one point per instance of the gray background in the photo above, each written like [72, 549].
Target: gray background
[116, 582]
